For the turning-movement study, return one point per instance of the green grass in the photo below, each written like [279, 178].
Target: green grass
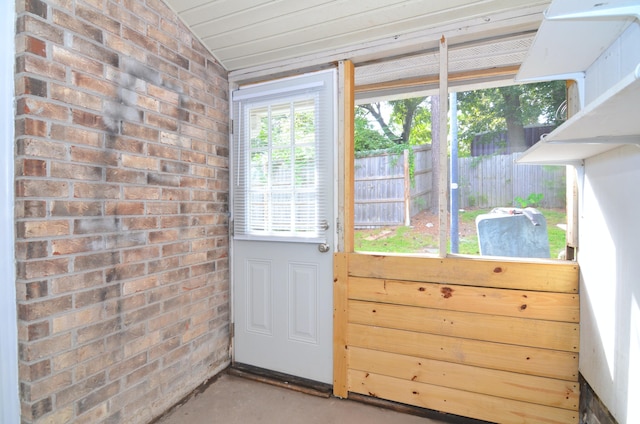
[407, 240]
[399, 240]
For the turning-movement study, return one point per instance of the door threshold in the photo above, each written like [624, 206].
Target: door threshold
[279, 379]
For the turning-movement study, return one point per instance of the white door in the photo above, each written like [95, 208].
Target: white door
[283, 223]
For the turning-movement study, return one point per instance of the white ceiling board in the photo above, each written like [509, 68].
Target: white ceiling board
[250, 34]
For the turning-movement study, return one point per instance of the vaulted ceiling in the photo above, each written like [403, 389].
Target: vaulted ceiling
[274, 36]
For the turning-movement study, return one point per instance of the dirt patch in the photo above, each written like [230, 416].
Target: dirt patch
[426, 222]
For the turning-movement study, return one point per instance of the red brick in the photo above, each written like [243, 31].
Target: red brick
[96, 191]
[31, 127]
[139, 39]
[71, 95]
[34, 168]
[76, 245]
[96, 85]
[76, 135]
[77, 172]
[43, 348]
[99, 19]
[97, 397]
[98, 331]
[93, 156]
[39, 28]
[77, 318]
[38, 330]
[74, 282]
[141, 193]
[98, 260]
[87, 298]
[76, 61]
[138, 131]
[43, 109]
[125, 208]
[141, 254]
[139, 285]
[75, 208]
[117, 175]
[42, 228]
[41, 149]
[40, 66]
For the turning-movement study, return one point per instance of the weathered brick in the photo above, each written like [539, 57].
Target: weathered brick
[73, 319]
[76, 61]
[93, 156]
[72, 96]
[40, 188]
[75, 208]
[73, 171]
[97, 397]
[74, 25]
[140, 254]
[141, 193]
[41, 66]
[73, 282]
[40, 28]
[76, 135]
[38, 330]
[139, 285]
[98, 295]
[96, 191]
[91, 83]
[41, 408]
[98, 331]
[98, 260]
[124, 272]
[45, 347]
[98, 19]
[50, 385]
[42, 268]
[37, 370]
[81, 389]
[39, 108]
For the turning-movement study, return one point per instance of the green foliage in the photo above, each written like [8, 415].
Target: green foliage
[533, 200]
[366, 137]
[486, 112]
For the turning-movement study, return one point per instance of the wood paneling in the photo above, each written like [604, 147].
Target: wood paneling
[548, 276]
[487, 339]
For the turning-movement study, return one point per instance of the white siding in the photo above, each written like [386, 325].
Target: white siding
[609, 231]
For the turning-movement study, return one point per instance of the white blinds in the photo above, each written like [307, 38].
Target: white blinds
[280, 152]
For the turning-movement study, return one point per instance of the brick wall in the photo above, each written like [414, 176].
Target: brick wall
[121, 210]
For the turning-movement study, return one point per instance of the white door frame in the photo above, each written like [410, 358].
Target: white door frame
[9, 400]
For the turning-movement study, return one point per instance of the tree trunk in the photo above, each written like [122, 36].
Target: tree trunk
[435, 151]
[516, 141]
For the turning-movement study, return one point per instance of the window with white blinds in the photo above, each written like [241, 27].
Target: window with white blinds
[279, 158]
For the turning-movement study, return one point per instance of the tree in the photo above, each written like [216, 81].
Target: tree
[408, 122]
[491, 111]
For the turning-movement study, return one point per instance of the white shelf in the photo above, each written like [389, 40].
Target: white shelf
[611, 120]
[573, 35]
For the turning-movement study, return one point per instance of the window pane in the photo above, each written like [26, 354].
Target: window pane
[281, 125]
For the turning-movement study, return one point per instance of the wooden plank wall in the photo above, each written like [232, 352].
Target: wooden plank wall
[487, 339]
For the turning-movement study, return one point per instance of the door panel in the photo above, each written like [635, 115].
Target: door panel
[282, 197]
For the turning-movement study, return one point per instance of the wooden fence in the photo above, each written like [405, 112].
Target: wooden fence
[384, 196]
[494, 181]
[384, 192]
[488, 339]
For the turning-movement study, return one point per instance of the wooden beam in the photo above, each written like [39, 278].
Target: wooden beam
[443, 169]
[347, 153]
[434, 79]
[340, 318]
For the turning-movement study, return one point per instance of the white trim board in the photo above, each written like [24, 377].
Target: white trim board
[9, 401]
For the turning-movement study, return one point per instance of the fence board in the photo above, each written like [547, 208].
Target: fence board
[484, 182]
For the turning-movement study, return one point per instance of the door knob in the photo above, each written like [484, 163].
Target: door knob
[323, 247]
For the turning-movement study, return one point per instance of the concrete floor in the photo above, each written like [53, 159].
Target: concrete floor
[232, 399]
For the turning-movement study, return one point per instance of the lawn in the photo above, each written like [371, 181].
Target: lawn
[422, 235]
